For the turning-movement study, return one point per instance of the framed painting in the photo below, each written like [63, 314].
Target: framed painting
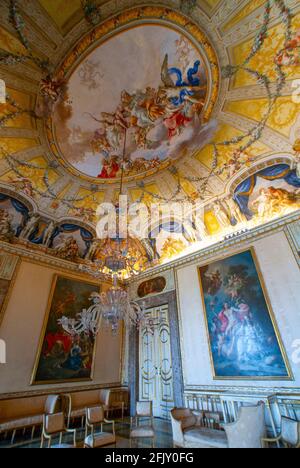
[8, 271]
[64, 357]
[152, 286]
[243, 335]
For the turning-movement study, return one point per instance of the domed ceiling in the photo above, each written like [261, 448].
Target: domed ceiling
[184, 102]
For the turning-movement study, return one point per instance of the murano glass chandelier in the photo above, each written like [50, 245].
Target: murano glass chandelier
[120, 259]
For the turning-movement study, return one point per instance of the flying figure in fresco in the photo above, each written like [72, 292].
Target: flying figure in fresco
[147, 123]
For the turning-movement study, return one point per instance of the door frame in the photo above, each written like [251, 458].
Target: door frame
[169, 298]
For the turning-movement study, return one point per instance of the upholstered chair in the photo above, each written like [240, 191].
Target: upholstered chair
[96, 417]
[249, 429]
[189, 429]
[289, 436]
[104, 397]
[54, 425]
[144, 411]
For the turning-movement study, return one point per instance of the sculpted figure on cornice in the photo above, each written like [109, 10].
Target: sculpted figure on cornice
[48, 233]
[30, 227]
[68, 249]
[221, 215]
[92, 251]
[6, 231]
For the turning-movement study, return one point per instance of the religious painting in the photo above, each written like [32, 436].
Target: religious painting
[65, 353]
[8, 271]
[243, 335]
[152, 286]
[143, 91]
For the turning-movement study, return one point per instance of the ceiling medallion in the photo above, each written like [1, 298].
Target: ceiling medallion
[148, 71]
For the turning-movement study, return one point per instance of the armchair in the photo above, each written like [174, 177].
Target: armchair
[53, 425]
[289, 436]
[249, 429]
[95, 417]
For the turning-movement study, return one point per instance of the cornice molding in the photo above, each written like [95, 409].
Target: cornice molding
[242, 391]
[59, 390]
[221, 245]
[43, 259]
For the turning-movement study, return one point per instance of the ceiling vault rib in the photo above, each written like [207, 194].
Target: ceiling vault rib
[11, 132]
[257, 91]
[248, 28]
[270, 137]
[226, 10]
[18, 82]
[44, 22]
[25, 71]
[36, 39]
[24, 156]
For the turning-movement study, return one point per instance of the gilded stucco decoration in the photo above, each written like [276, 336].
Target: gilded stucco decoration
[229, 68]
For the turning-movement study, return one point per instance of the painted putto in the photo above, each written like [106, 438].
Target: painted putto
[142, 92]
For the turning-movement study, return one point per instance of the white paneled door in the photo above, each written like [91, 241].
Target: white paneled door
[156, 374]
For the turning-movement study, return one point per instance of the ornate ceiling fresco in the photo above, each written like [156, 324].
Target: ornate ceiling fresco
[116, 86]
[186, 101]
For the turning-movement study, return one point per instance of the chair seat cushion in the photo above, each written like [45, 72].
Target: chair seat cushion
[99, 440]
[62, 446]
[28, 421]
[142, 432]
[205, 438]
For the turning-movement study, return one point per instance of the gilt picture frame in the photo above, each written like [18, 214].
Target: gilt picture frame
[243, 335]
[61, 358]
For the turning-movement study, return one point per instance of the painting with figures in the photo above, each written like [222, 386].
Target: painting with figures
[244, 340]
[66, 356]
[118, 99]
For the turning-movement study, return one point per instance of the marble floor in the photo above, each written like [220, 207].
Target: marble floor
[163, 438]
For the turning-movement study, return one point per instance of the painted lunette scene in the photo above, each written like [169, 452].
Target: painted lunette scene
[243, 336]
[150, 107]
[64, 357]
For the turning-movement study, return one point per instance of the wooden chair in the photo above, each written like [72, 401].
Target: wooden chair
[144, 410]
[95, 417]
[54, 425]
[289, 436]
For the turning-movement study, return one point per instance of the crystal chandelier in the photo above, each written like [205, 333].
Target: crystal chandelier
[120, 259]
[86, 322]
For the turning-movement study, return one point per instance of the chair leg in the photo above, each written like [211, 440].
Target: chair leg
[32, 432]
[13, 437]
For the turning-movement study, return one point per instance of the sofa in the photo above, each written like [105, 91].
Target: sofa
[24, 413]
[110, 399]
[190, 430]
